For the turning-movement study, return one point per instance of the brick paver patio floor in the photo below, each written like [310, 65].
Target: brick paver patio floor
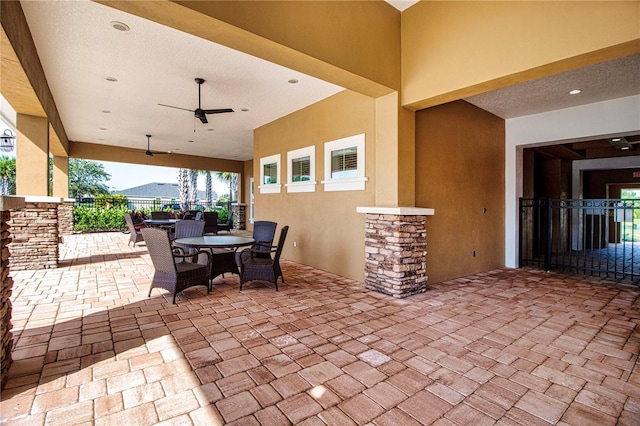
[502, 347]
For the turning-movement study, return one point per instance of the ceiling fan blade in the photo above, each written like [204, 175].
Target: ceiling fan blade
[171, 106]
[203, 118]
[217, 111]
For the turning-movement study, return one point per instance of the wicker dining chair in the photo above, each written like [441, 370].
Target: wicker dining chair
[227, 225]
[255, 268]
[160, 215]
[189, 228]
[134, 231]
[211, 222]
[172, 271]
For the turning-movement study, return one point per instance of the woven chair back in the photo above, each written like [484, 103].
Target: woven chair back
[159, 247]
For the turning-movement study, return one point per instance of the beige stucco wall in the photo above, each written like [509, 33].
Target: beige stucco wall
[328, 231]
[454, 49]
[460, 172]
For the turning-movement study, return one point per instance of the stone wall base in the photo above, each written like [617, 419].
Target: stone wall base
[35, 236]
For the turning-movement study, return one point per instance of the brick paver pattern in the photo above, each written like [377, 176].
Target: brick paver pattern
[502, 347]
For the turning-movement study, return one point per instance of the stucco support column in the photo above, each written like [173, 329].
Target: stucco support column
[60, 177]
[395, 153]
[32, 155]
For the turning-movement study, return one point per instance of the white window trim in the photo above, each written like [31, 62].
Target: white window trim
[271, 188]
[310, 185]
[345, 184]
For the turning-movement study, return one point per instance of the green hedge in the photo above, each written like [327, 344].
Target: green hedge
[90, 219]
[87, 219]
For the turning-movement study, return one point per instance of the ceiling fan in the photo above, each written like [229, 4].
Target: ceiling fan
[199, 112]
[150, 153]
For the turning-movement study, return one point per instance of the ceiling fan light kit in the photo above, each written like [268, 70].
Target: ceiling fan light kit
[199, 112]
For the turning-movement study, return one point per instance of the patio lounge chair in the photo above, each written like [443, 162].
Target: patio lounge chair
[254, 268]
[172, 271]
[134, 231]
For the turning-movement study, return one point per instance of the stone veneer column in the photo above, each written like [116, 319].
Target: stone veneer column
[65, 217]
[36, 234]
[6, 337]
[239, 216]
[395, 249]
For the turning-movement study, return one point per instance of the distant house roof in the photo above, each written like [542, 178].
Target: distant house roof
[158, 190]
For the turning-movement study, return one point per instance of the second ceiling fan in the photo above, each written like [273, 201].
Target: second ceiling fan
[199, 112]
[150, 153]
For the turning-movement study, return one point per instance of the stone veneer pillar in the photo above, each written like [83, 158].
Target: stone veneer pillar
[36, 234]
[6, 337]
[239, 216]
[396, 249]
[65, 217]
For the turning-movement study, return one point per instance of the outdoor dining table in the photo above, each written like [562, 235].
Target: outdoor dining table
[222, 260]
[161, 222]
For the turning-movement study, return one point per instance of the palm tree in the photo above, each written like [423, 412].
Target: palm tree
[193, 188]
[232, 180]
[183, 187]
[208, 187]
[7, 175]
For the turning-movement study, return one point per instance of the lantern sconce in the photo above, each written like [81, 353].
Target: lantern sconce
[7, 141]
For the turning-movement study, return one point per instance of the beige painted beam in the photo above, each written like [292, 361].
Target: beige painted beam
[22, 79]
[455, 49]
[99, 152]
[362, 55]
[32, 155]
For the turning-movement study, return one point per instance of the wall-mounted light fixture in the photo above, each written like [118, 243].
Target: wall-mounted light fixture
[7, 141]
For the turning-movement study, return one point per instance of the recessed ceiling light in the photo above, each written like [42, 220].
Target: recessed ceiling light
[112, 79]
[190, 141]
[244, 109]
[293, 81]
[106, 111]
[103, 128]
[575, 91]
[120, 26]
[616, 139]
[625, 148]
[209, 130]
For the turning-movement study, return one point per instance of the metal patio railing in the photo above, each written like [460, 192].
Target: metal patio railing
[598, 237]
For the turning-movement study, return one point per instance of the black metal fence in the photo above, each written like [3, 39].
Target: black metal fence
[599, 237]
[148, 204]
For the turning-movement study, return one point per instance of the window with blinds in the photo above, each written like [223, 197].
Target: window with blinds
[301, 169]
[270, 173]
[344, 162]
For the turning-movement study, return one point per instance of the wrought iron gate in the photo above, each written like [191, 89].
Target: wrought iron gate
[596, 237]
